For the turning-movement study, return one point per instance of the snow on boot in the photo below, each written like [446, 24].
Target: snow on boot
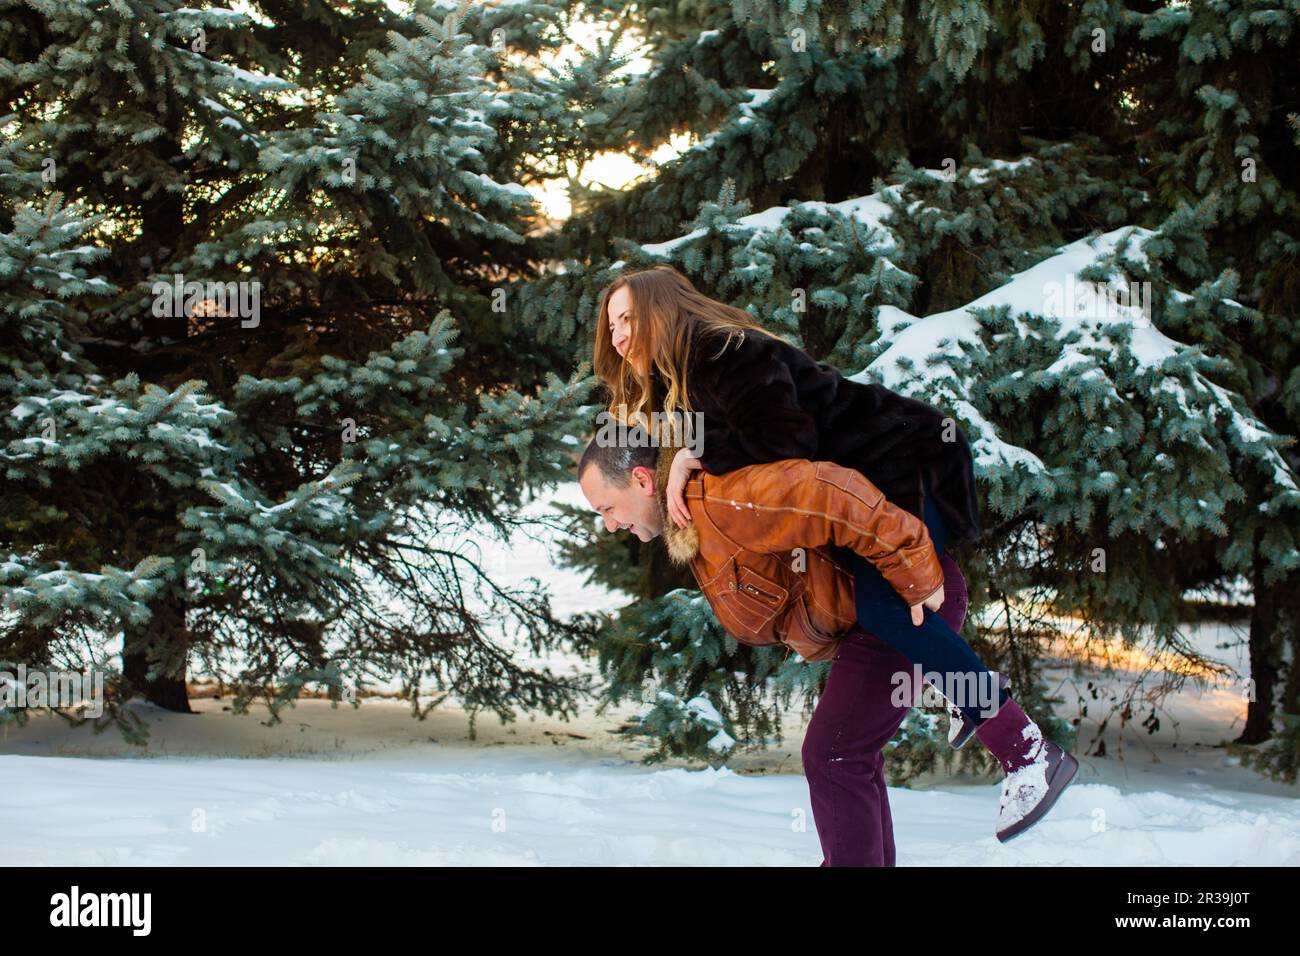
[959, 728]
[1037, 770]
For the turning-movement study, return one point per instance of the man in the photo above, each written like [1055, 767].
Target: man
[759, 545]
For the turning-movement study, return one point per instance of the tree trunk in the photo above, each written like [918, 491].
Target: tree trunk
[164, 639]
[163, 216]
[1272, 622]
[1287, 593]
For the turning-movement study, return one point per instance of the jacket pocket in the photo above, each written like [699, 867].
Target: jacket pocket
[802, 621]
[752, 600]
[805, 637]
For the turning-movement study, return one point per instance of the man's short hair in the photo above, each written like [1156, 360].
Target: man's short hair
[616, 460]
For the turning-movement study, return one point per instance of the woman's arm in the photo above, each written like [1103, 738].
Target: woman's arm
[684, 462]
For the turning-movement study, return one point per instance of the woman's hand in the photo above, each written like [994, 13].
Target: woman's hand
[675, 494]
[933, 602]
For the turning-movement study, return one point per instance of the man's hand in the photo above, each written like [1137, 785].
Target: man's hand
[675, 494]
[933, 602]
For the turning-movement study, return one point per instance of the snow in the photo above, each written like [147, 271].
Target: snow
[254, 79]
[869, 210]
[1023, 294]
[445, 802]
[665, 248]
[259, 80]
[485, 810]
[560, 812]
[488, 183]
[989, 449]
[212, 11]
[515, 189]
[1025, 788]
[201, 438]
[936, 343]
[980, 174]
[757, 99]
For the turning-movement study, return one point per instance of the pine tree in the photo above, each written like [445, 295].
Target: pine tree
[1214, 126]
[259, 380]
[906, 190]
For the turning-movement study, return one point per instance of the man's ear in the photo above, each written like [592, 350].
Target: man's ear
[645, 479]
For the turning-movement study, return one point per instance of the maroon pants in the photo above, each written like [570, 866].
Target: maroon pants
[843, 748]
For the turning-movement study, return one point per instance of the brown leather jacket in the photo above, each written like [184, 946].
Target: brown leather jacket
[757, 545]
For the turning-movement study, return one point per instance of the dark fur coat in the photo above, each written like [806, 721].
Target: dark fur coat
[763, 399]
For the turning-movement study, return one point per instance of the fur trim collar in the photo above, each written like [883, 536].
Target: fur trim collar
[682, 543]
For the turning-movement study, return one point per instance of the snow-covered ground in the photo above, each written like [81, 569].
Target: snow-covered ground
[532, 806]
[373, 786]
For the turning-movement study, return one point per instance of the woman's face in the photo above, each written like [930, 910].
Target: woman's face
[620, 321]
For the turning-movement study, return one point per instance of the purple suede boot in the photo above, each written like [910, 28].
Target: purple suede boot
[1037, 770]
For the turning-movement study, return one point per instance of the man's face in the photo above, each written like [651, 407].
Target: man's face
[633, 507]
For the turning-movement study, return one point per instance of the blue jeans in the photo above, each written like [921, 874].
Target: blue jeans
[934, 645]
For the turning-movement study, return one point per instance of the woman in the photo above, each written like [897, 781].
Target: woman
[664, 347]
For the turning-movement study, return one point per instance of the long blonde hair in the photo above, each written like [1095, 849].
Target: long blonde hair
[669, 317]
